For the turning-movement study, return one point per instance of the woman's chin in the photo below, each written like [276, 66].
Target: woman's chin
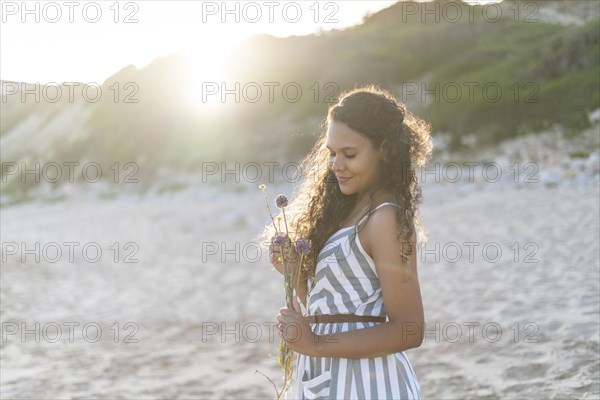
[346, 190]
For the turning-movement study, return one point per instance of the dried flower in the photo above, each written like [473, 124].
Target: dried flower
[281, 200]
[303, 246]
[291, 273]
[280, 240]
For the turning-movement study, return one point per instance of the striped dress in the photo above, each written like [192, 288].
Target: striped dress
[346, 282]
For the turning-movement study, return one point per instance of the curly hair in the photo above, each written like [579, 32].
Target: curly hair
[319, 206]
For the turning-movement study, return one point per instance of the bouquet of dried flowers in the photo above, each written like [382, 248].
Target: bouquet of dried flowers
[292, 269]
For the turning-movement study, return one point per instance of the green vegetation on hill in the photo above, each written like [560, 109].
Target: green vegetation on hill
[534, 74]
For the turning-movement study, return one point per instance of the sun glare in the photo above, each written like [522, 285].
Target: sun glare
[206, 73]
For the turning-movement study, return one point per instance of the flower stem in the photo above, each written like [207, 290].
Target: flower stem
[285, 221]
[268, 207]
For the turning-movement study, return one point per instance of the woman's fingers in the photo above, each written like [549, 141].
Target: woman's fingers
[275, 256]
[283, 319]
[273, 252]
[296, 305]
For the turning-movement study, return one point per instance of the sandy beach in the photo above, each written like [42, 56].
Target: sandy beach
[185, 301]
[135, 137]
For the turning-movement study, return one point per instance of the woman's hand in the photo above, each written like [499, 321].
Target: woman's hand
[296, 331]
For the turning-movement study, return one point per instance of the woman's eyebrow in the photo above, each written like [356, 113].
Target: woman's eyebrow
[343, 148]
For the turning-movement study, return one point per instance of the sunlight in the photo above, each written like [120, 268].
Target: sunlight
[206, 70]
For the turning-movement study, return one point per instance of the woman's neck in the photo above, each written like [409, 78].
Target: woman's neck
[380, 196]
[361, 206]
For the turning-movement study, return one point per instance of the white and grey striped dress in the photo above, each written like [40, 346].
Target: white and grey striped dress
[346, 282]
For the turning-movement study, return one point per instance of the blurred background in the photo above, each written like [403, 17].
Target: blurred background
[134, 135]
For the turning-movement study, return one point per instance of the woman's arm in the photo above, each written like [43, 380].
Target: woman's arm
[390, 337]
[401, 296]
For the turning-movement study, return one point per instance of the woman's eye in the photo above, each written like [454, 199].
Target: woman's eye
[346, 155]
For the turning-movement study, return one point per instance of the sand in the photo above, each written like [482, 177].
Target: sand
[191, 314]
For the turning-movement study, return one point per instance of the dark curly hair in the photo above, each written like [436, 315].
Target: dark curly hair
[319, 206]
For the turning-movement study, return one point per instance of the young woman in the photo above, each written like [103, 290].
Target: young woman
[357, 206]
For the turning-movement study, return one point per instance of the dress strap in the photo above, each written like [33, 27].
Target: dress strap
[373, 210]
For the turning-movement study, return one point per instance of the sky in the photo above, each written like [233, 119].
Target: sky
[75, 48]
[86, 41]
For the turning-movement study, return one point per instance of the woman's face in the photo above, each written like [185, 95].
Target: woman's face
[352, 158]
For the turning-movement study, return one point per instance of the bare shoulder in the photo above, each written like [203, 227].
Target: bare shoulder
[382, 245]
[381, 224]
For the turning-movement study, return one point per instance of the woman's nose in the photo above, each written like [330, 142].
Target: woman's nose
[336, 165]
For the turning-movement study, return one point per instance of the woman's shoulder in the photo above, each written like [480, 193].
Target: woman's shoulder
[383, 216]
[385, 202]
[381, 223]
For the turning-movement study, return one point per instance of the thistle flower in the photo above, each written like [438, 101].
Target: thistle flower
[281, 239]
[281, 200]
[303, 246]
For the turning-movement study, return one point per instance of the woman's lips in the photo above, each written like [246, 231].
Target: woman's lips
[343, 179]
